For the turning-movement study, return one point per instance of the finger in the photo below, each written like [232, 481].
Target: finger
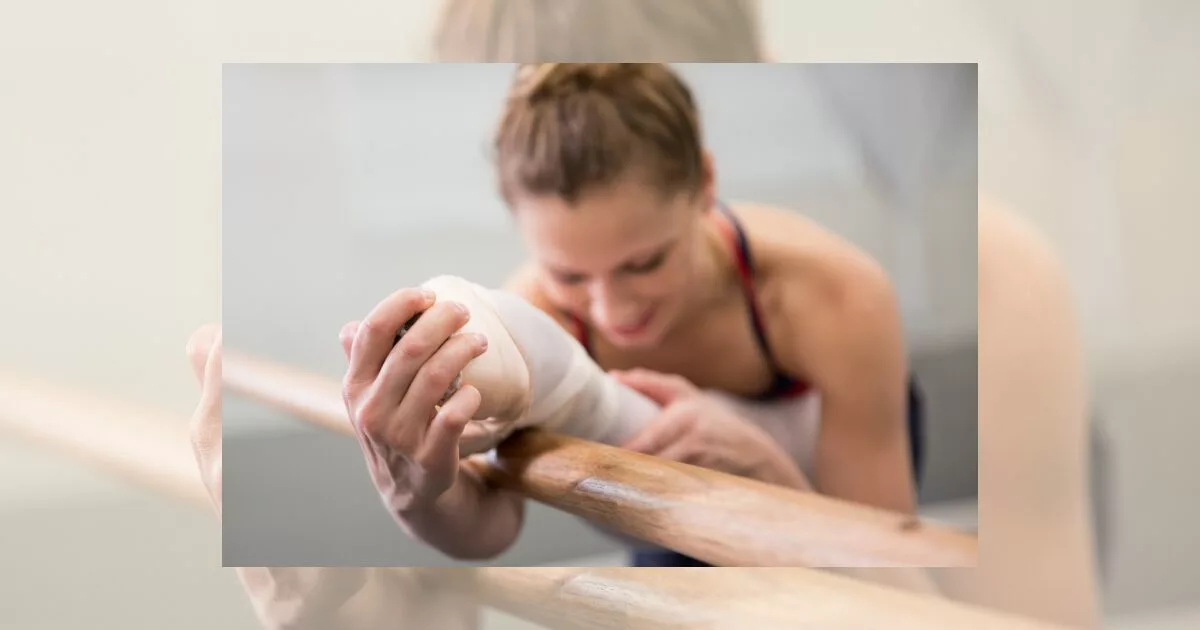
[661, 388]
[434, 378]
[205, 426]
[668, 428]
[206, 420]
[415, 349]
[376, 334]
[439, 453]
[678, 451]
[197, 349]
[346, 337]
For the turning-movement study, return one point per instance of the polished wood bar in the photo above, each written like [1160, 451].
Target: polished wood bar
[681, 597]
[144, 447]
[153, 449]
[721, 519]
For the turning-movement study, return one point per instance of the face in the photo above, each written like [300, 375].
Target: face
[623, 259]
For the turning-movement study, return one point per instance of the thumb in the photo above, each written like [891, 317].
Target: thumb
[346, 337]
[198, 348]
[206, 419]
[205, 426]
[661, 388]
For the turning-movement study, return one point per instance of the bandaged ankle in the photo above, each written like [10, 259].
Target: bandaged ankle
[535, 374]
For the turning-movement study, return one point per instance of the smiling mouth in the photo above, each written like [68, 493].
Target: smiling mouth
[638, 326]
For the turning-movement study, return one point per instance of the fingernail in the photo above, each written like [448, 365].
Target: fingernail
[462, 309]
[427, 296]
[481, 341]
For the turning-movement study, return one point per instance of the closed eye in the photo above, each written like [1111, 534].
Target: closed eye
[650, 264]
[568, 278]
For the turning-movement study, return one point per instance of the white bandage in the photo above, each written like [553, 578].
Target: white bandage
[535, 374]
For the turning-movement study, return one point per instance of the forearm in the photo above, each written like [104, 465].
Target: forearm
[299, 598]
[318, 598]
[863, 455]
[470, 520]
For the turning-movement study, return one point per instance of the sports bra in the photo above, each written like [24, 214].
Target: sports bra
[783, 385]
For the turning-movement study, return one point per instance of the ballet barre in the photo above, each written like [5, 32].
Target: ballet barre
[735, 598]
[135, 444]
[152, 449]
[718, 518]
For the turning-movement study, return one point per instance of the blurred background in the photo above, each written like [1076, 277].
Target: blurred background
[343, 183]
[111, 176]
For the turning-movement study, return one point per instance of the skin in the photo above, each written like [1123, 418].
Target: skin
[1036, 538]
[312, 598]
[627, 256]
[1033, 466]
[391, 394]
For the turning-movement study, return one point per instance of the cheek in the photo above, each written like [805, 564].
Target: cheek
[669, 283]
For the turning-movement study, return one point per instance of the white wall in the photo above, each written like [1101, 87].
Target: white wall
[1087, 128]
[111, 125]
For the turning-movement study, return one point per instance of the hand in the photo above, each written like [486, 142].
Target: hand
[204, 354]
[392, 392]
[285, 597]
[693, 429]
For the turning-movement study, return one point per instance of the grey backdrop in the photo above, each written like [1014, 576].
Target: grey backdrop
[342, 183]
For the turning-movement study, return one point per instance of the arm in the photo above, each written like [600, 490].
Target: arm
[853, 353]
[469, 521]
[351, 598]
[1036, 552]
[303, 598]
[532, 373]
[409, 430]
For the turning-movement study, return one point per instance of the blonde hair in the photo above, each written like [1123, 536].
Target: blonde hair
[568, 128]
[528, 31]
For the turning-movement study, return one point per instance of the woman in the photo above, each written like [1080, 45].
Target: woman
[1033, 466]
[606, 174]
[605, 170]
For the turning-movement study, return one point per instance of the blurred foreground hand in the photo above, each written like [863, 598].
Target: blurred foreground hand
[295, 598]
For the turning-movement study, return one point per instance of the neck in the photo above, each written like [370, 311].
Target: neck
[715, 277]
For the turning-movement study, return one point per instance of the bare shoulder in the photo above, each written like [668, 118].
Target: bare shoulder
[798, 260]
[1014, 259]
[806, 269]
[1027, 319]
[789, 247]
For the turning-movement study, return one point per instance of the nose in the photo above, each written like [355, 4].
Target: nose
[610, 304]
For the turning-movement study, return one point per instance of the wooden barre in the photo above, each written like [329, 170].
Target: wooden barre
[152, 449]
[683, 597]
[721, 519]
[138, 445]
